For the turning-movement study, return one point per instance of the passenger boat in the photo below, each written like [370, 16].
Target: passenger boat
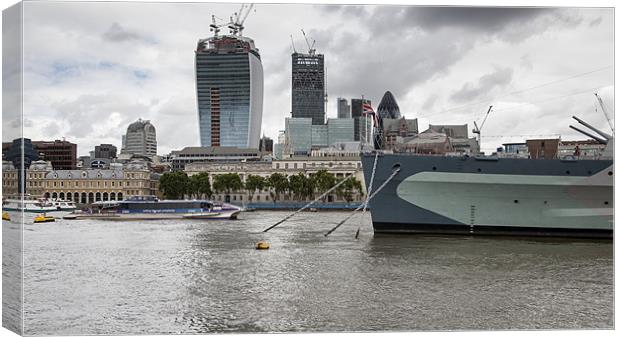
[40, 205]
[151, 208]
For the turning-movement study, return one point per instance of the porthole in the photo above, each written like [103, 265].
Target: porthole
[567, 172]
[395, 167]
[606, 202]
[610, 173]
[479, 170]
[516, 201]
[434, 168]
[545, 202]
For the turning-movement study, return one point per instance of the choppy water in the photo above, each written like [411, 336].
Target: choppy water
[98, 277]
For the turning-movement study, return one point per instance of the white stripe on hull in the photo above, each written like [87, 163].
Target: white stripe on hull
[514, 200]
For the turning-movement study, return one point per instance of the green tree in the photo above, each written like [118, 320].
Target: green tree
[228, 183]
[199, 185]
[323, 181]
[174, 185]
[300, 186]
[278, 183]
[254, 183]
[348, 188]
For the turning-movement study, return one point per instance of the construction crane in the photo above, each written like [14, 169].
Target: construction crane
[215, 28]
[311, 49]
[600, 102]
[236, 25]
[478, 129]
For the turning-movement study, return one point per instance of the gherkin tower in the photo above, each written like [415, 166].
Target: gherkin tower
[388, 108]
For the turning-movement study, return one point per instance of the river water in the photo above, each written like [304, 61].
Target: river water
[98, 277]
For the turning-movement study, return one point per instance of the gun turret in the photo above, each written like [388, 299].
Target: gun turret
[603, 134]
[598, 139]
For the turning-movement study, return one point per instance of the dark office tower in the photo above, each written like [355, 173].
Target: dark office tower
[107, 151]
[308, 87]
[388, 108]
[359, 120]
[61, 153]
[21, 154]
[266, 144]
[344, 109]
[229, 87]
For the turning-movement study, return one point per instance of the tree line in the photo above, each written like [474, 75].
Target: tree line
[178, 185]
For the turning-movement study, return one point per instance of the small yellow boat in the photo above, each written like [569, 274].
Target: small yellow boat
[262, 244]
[44, 218]
[5, 216]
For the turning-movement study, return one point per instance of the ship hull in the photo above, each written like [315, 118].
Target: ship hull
[506, 196]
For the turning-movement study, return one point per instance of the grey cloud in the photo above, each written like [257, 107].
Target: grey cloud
[596, 21]
[117, 33]
[51, 129]
[499, 78]
[430, 101]
[79, 112]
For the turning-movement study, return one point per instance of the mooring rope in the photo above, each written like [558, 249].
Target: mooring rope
[372, 179]
[366, 202]
[312, 202]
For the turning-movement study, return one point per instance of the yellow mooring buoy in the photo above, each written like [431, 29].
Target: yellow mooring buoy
[262, 244]
[5, 216]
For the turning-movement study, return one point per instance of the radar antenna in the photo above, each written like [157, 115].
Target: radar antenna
[477, 129]
[600, 102]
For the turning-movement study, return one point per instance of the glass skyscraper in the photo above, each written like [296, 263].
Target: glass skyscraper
[308, 87]
[229, 90]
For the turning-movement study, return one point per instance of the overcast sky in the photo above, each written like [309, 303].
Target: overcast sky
[92, 68]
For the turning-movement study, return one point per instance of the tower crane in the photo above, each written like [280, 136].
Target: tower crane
[477, 129]
[600, 102]
[311, 49]
[215, 28]
[236, 25]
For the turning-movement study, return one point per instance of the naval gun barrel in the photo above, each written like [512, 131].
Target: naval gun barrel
[605, 135]
[598, 139]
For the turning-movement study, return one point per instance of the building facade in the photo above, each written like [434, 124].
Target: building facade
[140, 139]
[86, 185]
[344, 109]
[308, 87]
[179, 159]
[340, 167]
[229, 91]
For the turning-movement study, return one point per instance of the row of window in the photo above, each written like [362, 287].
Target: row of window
[329, 164]
[93, 184]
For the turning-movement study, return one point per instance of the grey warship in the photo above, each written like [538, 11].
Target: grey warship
[492, 195]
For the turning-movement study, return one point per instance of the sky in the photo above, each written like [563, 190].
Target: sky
[92, 68]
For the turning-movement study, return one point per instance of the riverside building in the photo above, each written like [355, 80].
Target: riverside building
[85, 185]
[229, 91]
[340, 167]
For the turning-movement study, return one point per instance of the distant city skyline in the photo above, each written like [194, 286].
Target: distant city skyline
[90, 69]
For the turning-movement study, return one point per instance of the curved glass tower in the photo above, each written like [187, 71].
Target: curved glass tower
[388, 108]
[229, 91]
